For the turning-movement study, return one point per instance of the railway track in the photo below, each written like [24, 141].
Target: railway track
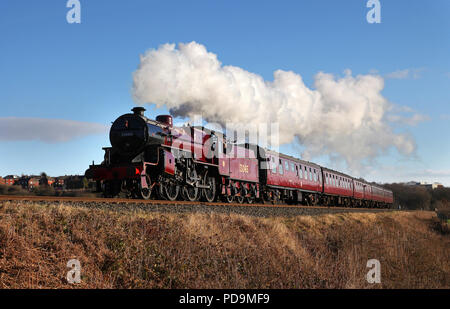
[123, 204]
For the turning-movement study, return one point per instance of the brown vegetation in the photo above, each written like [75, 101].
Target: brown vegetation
[13, 190]
[154, 250]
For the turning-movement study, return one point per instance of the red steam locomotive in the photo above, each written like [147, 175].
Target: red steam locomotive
[193, 163]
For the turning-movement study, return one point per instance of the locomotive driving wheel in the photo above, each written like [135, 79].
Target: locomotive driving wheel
[210, 193]
[171, 190]
[191, 193]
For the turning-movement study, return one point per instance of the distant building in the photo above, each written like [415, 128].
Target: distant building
[10, 180]
[436, 185]
[69, 182]
[426, 185]
[46, 181]
[33, 182]
[413, 183]
[59, 182]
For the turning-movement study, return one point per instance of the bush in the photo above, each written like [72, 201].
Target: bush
[44, 191]
[13, 190]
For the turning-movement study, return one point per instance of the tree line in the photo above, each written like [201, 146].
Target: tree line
[419, 197]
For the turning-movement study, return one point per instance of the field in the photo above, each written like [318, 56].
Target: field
[199, 250]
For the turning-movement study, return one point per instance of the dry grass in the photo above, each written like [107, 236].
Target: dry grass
[155, 250]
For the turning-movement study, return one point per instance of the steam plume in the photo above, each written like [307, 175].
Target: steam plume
[343, 117]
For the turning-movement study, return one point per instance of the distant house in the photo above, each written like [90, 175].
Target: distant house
[29, 182]
[10, 179]
[46, 181]
[69, 182]
[33, 182]
[74, 182]
[59, 182]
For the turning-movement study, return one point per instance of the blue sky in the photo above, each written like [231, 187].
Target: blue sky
[83, 72]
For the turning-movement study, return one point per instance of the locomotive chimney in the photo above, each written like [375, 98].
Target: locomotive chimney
[138, 111]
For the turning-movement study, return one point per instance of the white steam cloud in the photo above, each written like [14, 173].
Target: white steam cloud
[343, 117]
[47, 130]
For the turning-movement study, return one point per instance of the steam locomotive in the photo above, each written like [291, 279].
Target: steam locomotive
[153, 158]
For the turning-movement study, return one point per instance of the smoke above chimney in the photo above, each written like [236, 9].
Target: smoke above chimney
[346, 118]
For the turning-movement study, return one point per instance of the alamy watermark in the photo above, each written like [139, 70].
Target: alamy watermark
[74, 274]
[74, 14]
[374, 15]
[374, 274]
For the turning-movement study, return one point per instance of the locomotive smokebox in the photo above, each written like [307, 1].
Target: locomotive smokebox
[138, 111]
[166, 119]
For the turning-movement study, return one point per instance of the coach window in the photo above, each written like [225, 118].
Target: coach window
[280, 168]
[315, 175]
[296, 169]
[310, 174]
[274, 166]
[286, 165]
[292, 167]
[305, 174]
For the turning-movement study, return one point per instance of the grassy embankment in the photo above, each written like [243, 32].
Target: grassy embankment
[156, 250]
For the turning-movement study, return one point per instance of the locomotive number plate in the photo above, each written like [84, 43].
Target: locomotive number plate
[243, 168]
[127, 134]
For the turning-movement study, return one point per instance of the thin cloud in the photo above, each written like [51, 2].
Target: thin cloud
[413, 73]
[410, 121]
[47, 130]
